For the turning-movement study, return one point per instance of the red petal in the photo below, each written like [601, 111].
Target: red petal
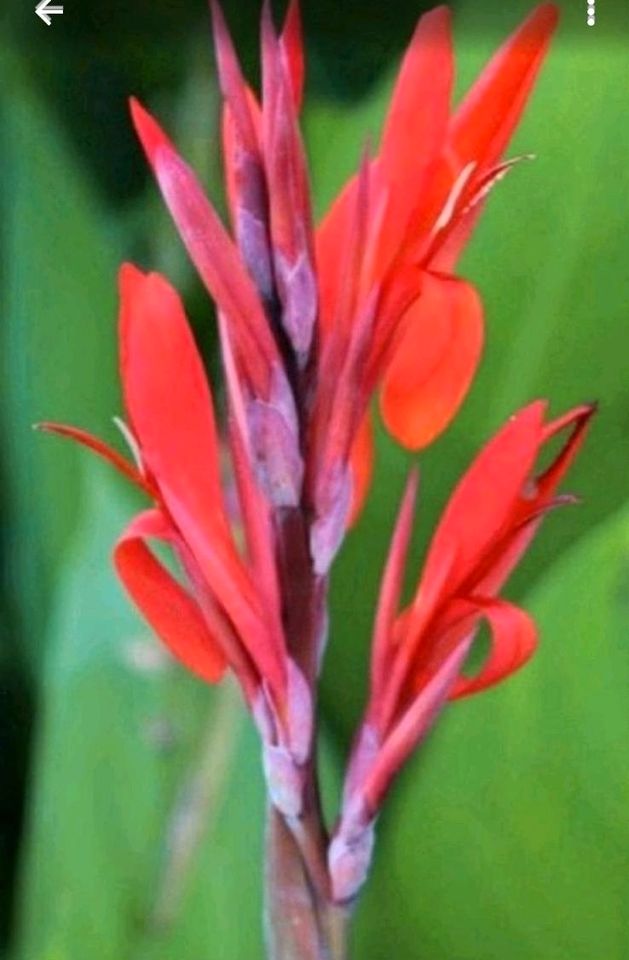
[211, 249]
[289, 195]
[411, 728]
[488, 115]
[103, 450]
[577, 421]
[483, 503]
[232, 82]
[331, 239]
[166, 605]
[361, 463]
[434, 362]
[292, 45]
[391, 590]
[238, 160]
[415, 126]
[170, 405]
[537, 499]
[514, 639]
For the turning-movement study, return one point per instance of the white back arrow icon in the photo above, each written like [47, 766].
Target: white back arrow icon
[43, 10]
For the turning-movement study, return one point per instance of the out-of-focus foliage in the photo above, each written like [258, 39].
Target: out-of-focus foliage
[134, 758]
[506, 838]
[56, 337]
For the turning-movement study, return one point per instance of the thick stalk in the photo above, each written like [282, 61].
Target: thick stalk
[301, 924]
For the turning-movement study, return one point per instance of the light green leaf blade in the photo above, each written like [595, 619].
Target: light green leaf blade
[121, 739]
[56, 338]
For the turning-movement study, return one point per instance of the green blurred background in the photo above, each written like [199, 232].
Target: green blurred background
[131, 797]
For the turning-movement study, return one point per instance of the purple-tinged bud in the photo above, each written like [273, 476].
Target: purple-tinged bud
[285, 780]
[364, 752]
[278, 463]
[298, 292]
[253, 241]
[300, 718]
[332, 506]
[263, 716]
[350, 853]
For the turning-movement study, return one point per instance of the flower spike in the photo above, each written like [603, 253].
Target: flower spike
[419, 652]
[315, 324]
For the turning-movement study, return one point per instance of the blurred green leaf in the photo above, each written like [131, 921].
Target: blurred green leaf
[121, 735]
[509, 836]
[56, 338]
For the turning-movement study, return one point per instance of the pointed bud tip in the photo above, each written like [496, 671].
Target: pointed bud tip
[544, 18]
[149, 132]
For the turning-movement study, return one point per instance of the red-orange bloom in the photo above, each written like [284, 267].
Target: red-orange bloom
[418, 654]
[312, 322]
[423, 204]
[368, 298]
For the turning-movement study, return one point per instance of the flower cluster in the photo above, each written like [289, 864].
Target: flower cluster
[313, 323]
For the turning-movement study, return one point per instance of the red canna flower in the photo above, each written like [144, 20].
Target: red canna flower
[312, 323]
[368, 297]
[418, 654]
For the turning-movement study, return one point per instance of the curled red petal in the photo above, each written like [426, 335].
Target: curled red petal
[102, 449]
[577, 422]
[169, 609]
[483, 503]
[513, 642]
[434, 362]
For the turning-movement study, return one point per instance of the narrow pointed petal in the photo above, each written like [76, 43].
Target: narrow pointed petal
[332, 494]
[391, 589]
[331, 245]
[485, 120]
[211, 249]
[233, 85]
[289, 197]
[242, 151]
[169, 609]
[412, 727]
[255, 508]
[170, 406]
[577, 421]
[416, 125]
[246, 195]
[538, 498]
[292, 45]
[513, 642]
[361, 465]
[101, 449]
[434, 363]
